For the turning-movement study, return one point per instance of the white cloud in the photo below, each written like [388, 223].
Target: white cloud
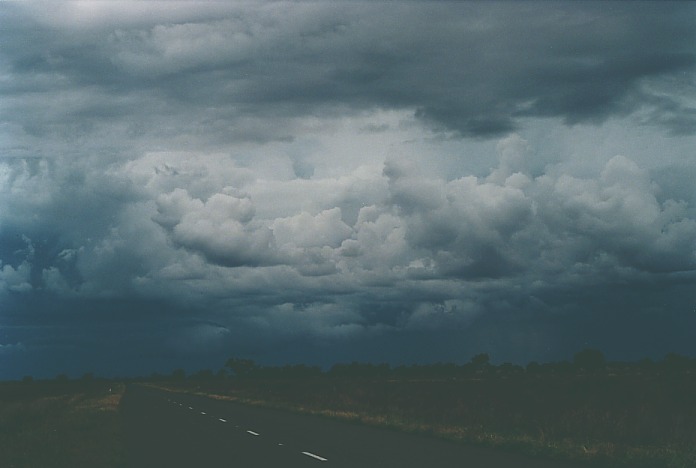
[15, 279]
[301, 166]
[200, 174]
[220, 228]
[26, 185]
[513, 153]
[181, 224]
[618, 215]
[83, 14]
[441, 315]
[54, 281]
[173, 48]
[11, 349]
[305, 230]
[381, 241]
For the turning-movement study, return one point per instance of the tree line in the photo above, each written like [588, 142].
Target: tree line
[587, 361]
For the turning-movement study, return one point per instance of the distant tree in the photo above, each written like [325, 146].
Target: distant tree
[674, 362]
[27, 379]
[87, 377]
[440, 370]
[509, 368]
[241, 367]
[295, 371]
[533, 368]
[205, 374]
[646, 363]
[300, 371]
[62, 378]
[481, 362]
[559, 367]
[359, 369]
[178, 374]
[589, 360]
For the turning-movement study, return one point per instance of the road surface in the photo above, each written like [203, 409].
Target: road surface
[177, 430]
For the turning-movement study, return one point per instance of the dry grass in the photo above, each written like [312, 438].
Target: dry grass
[628, 421]
[49, 424]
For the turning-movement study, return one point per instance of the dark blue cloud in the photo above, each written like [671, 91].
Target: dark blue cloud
[295, 182]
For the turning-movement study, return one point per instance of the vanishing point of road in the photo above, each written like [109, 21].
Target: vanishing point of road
[168, 429]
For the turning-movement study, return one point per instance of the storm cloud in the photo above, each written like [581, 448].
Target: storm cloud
[402, 181]
[467, 68]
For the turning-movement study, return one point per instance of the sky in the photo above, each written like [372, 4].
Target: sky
[322, 182]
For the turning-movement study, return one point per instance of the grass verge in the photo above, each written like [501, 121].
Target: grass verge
[60, 424]
[637, 423]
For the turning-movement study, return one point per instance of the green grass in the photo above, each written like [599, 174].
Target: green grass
[634, 420]
[618, 421]
[60, 424]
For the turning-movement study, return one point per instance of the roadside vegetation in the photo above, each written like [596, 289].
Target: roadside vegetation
[606, 414]
[60, 423]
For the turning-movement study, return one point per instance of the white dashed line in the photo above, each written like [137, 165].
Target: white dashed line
[317, 457]
[309, 454]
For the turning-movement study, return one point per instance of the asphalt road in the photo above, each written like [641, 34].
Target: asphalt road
[177, 430]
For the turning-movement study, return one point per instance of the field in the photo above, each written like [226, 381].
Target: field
[628, 420]
[636, 418]
[60, 424]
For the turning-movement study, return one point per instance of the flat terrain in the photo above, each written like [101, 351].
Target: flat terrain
[633, 419]
[175, 429]
[636, 420]
[54, 424]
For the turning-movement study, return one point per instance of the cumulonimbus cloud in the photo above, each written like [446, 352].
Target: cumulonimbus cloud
[472, 69]
[338, 163]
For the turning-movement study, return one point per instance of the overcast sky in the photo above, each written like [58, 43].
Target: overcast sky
[181, 182]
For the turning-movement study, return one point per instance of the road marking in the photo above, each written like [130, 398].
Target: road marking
[222, 420]
[190, 408]
[203, 412]
[253, 433]
[310, 454]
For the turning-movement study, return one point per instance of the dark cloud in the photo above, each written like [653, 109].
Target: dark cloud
[283, 179]
[470, 68]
